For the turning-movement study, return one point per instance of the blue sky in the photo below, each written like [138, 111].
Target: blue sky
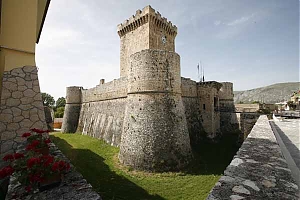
[250, 43]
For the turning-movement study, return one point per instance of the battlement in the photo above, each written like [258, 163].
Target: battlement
[214, 84]
[148, 14]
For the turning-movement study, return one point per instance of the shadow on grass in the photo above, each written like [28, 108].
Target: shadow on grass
[213, 157]
[106, 182]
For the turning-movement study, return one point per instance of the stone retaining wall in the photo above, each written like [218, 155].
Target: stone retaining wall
[21, 107]
[258, 171]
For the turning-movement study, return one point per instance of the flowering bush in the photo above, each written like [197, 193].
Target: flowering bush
[32, 168]
[37, 139]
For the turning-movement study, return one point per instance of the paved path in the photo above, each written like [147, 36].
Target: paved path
[289, 131]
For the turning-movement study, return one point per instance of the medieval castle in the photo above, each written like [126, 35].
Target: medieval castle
[152, 113]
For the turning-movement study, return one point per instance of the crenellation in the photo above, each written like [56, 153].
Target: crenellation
[142, 17]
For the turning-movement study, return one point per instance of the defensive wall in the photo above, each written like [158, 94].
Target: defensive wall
[258, 170]
[102, 108]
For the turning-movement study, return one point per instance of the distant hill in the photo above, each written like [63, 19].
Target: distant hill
[269, 94]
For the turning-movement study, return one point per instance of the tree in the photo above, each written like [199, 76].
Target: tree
[61, 102]
[47, 99]
[59, 112]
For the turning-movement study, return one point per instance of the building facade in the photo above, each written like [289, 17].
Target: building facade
[21, 105]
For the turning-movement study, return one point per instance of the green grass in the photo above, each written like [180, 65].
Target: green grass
[97, 162]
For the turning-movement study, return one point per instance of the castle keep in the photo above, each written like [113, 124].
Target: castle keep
[151, 112]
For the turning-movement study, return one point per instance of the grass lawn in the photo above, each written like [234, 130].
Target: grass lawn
[98, 163]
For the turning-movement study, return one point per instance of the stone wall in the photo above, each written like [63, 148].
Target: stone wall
[111, 90]
[21, 106]
[208, 93]
[155, 134]
[246, 107]
[103, 120]
[258, 171]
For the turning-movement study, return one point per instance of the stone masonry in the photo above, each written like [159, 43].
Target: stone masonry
[155, 135]
[258, 171]
[21, 107]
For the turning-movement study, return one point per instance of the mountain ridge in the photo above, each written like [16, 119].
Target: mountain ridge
[269, 94]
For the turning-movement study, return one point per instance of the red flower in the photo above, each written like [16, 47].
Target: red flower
[26, 135]
[34, 143]
[55, 166]
[18, 155]
[47, 159]
[35, 178]
[6, 171]
[28, 188]
[61, 165]
[9, 170]
[8, 157]
[33, 161]
[47, 141]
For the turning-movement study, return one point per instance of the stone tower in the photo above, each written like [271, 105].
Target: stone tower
[146, 29]
[72, 109]
[155, 135]
[227, 116]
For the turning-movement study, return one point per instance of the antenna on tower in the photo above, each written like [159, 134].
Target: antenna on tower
[203, 74]
[200, 78]
[198, 71]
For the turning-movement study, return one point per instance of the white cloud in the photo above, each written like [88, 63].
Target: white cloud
[217, 23]
[240, 20]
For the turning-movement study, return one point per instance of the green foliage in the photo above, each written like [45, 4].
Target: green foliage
[61, 102]
[59, 113]
[241, 102]
[48, 100]
[264, 111]
[255, 102]
[97, 161]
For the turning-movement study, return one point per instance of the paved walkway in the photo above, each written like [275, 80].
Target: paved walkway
[289, 131]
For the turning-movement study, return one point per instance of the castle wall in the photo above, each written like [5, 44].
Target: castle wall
[155, 134]
[102, 111]
[103, 120]
[191, 103]
[209, 107]
[227, 109]
[111, 90]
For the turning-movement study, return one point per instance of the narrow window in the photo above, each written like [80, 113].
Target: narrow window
[203, 106]
[215, 102]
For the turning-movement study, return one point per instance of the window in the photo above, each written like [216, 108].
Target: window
[203, 106]
[215, 102]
